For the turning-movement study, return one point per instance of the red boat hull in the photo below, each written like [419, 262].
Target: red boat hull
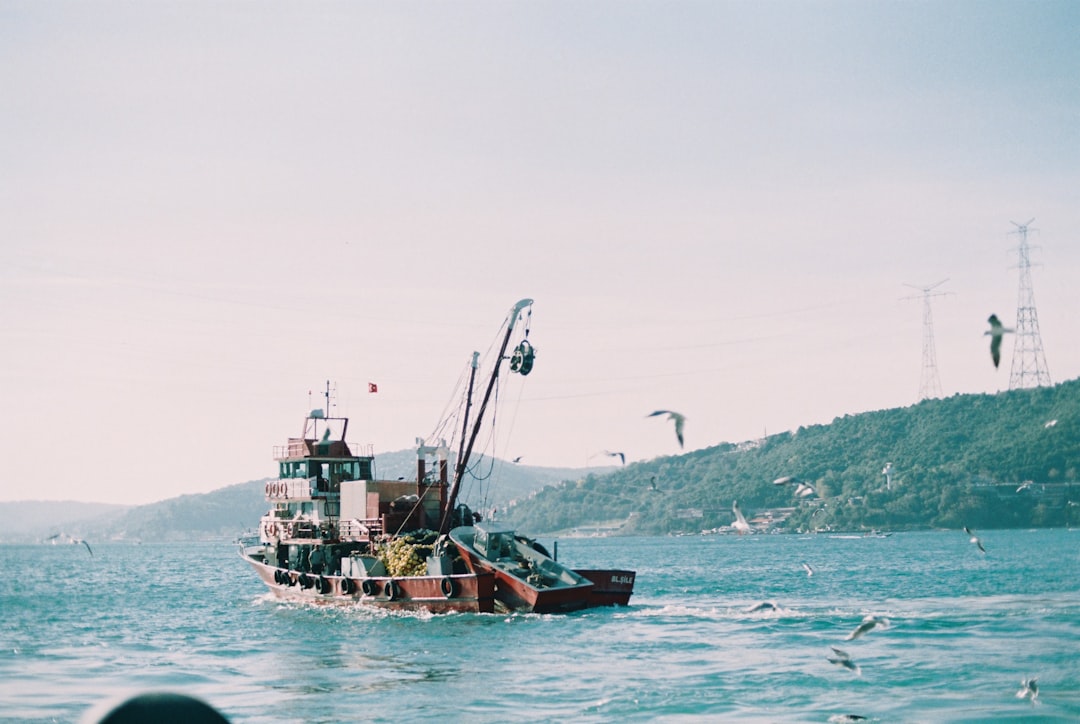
[610, 587]
[469, 593]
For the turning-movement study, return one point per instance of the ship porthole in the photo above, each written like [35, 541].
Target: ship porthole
[368, 587]
[390, 589]
[448, 586]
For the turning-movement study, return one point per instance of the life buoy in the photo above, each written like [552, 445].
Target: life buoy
[368, 587]
[448, 586]
[347, 586]
[271, 530]
[266, 489]
[390, 589]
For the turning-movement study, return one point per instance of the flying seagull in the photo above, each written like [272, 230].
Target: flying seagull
[809, 570]
[975, 539]
[868, 624]
[679, 420]
[1025, 485]
[71, 539]
[621, 456]
[996, 331]
[517, 459]
[802, 489]
[739, 523]
[652, 482]
[1028, 687]
[842, 658]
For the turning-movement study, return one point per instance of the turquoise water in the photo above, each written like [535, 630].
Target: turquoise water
[965, 628]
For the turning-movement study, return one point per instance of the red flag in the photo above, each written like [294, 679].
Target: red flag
[372, 387]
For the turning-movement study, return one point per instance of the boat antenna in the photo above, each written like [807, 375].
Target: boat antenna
[463, 458]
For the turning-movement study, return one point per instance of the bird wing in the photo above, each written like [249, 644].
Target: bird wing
[87, 546]
[860, 630]
[738, 513]
[679, 420]
[995, 349]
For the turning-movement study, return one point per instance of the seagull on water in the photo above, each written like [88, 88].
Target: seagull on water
[652, 483]
[975, 539]
[996, 331]
[1025, 485]
[842, 658]
[739, 523]
[763, 606]
[679, 421]
[868, 624]
[621, 456]
[1028, 687]
[70, 539]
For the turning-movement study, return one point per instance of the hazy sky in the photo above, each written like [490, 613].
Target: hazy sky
[208, 209]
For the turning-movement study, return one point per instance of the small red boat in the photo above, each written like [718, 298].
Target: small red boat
[525, 578]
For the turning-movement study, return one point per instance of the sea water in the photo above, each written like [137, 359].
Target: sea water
[964, 629]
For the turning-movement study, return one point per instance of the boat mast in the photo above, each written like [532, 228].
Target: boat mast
[463, 458]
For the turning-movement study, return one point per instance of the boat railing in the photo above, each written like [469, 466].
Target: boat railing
[300, 448]
[291, 488]
[360, 528]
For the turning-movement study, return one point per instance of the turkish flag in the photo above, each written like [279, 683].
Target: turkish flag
[372, 387]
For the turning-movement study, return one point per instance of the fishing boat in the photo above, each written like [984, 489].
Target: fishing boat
[336, 533]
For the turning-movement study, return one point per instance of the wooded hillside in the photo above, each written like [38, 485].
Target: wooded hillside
[954, 462]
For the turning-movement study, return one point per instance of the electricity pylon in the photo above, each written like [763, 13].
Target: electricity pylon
[1028, 363]
[929, 382]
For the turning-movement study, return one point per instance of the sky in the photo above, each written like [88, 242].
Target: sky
[210, 209]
